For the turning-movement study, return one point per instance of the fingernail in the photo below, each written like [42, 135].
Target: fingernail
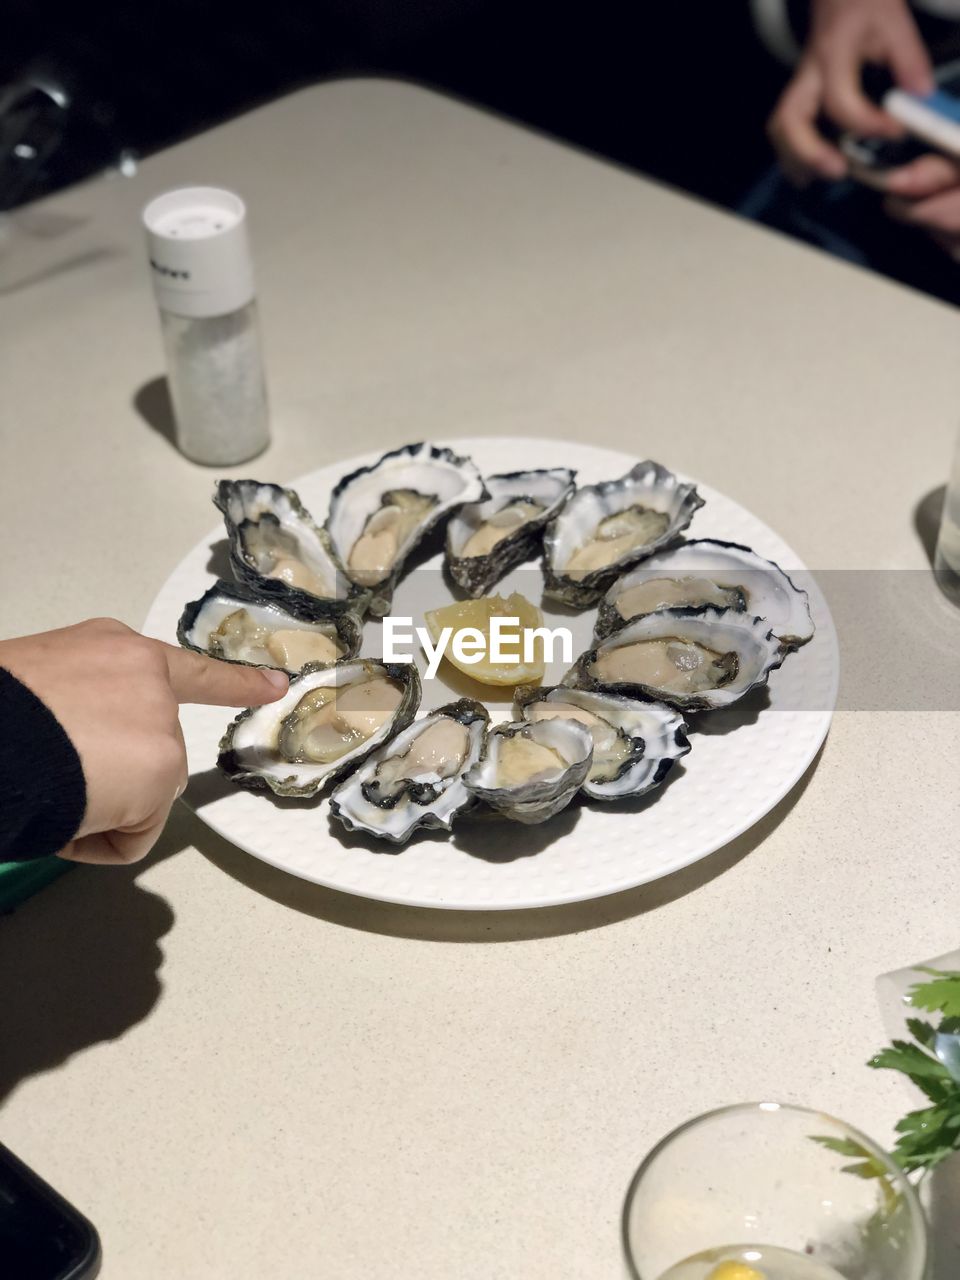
[279, 680]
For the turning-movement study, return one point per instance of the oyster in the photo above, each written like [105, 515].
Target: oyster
[707, 571]
[486, 539]
[276, 548]
[531, 771]
[232, 622]
[379, 513]
[695, 659]
[416, 779]
[635, 744]
[606, 528]
[329, 720]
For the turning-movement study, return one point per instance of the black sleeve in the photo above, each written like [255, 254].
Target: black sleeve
[42, 790]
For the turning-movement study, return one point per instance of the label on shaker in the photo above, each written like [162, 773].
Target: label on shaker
[199, 252]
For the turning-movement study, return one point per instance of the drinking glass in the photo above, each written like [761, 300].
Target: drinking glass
[767, 1177]
[946, 562]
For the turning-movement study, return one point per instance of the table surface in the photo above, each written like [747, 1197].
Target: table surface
[238, 1074]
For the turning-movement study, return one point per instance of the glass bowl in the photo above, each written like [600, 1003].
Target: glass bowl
[752, 1180]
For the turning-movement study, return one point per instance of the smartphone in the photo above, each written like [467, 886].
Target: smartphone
[870, 159]
[42, 1237]
[936, 117]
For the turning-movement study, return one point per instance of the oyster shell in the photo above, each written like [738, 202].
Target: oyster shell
[276, 548]
[708, 571]
[606, 528]
[486, 539]
[530, 771]
[694, 659]
[378, 514]
[329, 720]
[234, 623]
[635, 744]
[416, 779]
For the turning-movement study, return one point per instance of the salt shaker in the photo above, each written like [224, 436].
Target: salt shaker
[203, 281]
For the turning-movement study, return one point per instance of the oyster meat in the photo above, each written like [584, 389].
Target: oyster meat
[707, 571]
[380, 513]
[635, 744]
[606, 528]
[235, 624]
[694, 659]
[416, 779]
[329, 720]
[531, 770]
[485, 540]
[278, 551]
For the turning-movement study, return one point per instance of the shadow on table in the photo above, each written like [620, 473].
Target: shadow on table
[434, 925]
[152, 402]
[79, 963]
[926, 519]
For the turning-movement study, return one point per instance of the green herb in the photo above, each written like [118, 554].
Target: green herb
[940, 996]
[866, 1164]
[932, 1133]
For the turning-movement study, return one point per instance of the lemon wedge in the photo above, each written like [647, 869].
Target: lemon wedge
[478, 615]
[735, 1271]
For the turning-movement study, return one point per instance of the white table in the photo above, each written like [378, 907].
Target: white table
[238, 1074]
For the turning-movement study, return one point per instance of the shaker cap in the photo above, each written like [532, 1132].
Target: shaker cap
[199, 252]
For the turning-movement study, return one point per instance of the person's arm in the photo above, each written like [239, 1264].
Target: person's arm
[97, 756]
[844, 36]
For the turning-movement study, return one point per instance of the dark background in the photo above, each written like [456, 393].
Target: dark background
[679, 90]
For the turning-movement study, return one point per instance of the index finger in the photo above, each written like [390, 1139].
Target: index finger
[793, 130]
[195, 678]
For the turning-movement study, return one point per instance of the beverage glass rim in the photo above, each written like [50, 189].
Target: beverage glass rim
[904, 1185]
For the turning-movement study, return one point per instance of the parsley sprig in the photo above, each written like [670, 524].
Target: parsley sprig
[930, 1134]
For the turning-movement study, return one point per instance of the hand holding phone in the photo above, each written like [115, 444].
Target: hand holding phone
[919, 174]
[932, 122]
[846, 38]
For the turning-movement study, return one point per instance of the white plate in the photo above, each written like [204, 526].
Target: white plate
[727, 783]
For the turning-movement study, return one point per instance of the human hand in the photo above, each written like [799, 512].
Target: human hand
[926, 194]
[844, 35]
[116, 693]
